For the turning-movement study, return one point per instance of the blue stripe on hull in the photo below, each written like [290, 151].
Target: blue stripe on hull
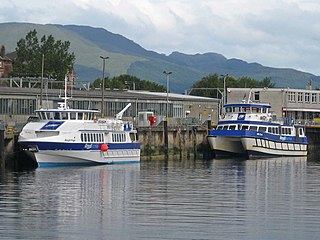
[78, 146]
[259, 135]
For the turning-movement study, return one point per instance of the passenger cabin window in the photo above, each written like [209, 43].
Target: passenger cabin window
[92, 137]
[255, 110]
[253, 128]
[64, 115]
[57, 116]
[133, 137]
[244, 127]
[73, 115]
[119, 137]
[232, 127]
[301, 132]
[262, 129]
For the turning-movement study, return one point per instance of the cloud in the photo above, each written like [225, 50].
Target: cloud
[277, 33]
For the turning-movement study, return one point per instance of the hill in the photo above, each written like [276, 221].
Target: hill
[126, 56]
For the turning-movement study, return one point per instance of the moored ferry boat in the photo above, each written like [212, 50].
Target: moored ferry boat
[249, 129]
[65, 136]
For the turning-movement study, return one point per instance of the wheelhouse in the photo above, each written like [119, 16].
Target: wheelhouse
[247, 108]
[52, 114]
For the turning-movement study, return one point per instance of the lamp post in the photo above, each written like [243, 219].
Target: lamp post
[167, 109]
[42, 69]
[225, 89]
[103, 68]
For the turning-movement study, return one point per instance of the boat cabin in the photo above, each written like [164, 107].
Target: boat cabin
[68, 114]
[246, 108]
[271, 129]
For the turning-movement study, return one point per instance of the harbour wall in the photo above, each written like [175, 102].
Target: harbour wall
[182, 142]
[161, 142]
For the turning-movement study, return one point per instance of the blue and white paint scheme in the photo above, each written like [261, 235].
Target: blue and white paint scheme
[65, 136]
[250, 130]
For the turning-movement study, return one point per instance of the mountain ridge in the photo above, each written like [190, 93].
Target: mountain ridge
[127, 57]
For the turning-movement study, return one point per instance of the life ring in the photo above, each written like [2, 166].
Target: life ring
[104, 147]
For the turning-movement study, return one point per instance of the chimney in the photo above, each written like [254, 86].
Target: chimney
[2, 51]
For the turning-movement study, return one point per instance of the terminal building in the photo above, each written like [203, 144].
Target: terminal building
[303, 105]
[17, 104]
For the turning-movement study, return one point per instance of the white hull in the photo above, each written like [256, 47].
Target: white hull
[256, 146]
[221, 144]
[56, 157]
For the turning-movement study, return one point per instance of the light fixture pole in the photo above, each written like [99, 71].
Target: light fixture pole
[42, 69]
[167, 109]
[103, 80]
[224, 89]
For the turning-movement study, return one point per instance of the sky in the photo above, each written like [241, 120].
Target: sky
[274, 33]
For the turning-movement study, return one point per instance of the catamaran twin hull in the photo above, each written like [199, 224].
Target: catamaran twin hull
[235, 146]
[53, 154]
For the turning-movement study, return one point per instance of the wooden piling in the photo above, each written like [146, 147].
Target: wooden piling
[2, 158]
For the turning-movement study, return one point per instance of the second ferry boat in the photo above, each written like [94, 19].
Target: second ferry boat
[250, 130]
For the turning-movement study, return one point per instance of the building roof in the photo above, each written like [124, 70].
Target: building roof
[113, 94]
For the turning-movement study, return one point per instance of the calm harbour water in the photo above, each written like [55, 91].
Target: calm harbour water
[275, 198]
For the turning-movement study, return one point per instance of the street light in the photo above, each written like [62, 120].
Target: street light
[103, 68]
[224, 89]
[167, 73]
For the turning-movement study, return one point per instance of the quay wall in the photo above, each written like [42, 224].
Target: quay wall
[188, 142]
[183, 142]
[313, 134]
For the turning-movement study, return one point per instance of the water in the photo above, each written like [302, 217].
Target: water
[189, 199]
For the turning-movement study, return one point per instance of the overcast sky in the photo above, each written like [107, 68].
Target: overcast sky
[275, 33]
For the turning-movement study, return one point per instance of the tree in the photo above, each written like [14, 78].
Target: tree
[57, 60]
[125, 81]
[212, 85]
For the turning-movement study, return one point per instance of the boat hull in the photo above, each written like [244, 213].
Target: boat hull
[53, 158]
[257, 147]
[226, 146]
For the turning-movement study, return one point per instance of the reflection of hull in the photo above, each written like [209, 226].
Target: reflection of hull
[264, 147]
[226, 146]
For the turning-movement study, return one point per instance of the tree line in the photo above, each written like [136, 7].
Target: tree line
[52, 57]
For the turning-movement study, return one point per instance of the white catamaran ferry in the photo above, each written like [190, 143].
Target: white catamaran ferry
[248, 129]
[65, 136]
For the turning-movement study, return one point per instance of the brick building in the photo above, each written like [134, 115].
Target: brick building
[5, 63]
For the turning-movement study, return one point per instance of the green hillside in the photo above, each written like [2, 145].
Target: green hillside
[126, 56]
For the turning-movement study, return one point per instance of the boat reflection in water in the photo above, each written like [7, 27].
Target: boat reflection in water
[274, 198]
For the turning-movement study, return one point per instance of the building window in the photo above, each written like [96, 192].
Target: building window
[307, 97]
[313, 97]
[256, 96]
[300, 98]
[292, 97]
